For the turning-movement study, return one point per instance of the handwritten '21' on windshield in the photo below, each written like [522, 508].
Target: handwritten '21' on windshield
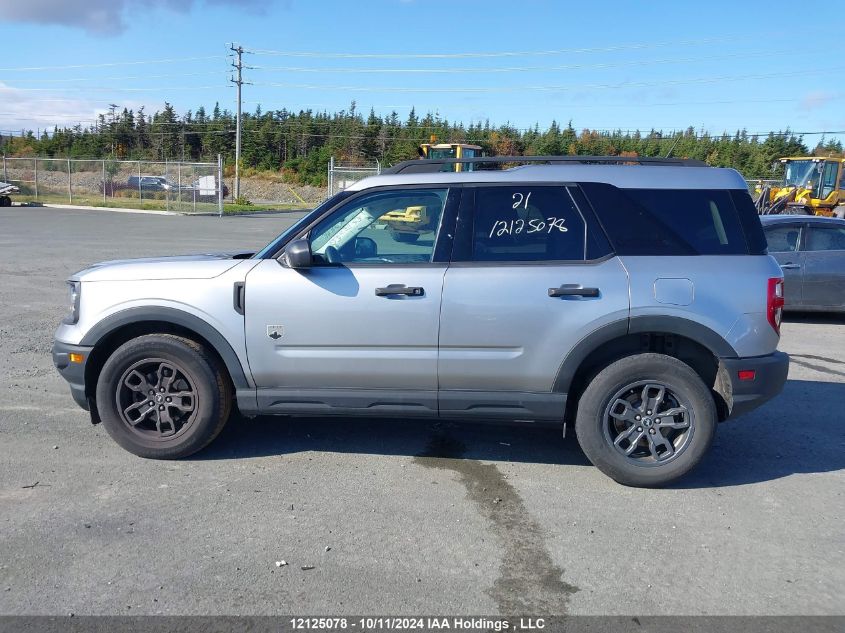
[535, 225]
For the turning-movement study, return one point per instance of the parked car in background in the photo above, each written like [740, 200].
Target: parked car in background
[150, 183]
[811, 253]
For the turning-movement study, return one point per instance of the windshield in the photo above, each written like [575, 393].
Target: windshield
[798, 172]
[439, 153]
[272, 247]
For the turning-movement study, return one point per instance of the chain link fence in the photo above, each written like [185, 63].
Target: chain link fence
[343, 176]
[168, 186]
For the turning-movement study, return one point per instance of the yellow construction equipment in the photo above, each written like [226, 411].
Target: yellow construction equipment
[811, 185]
[434, 150]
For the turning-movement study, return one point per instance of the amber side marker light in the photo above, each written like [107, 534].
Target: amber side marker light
[76, 358]
[747, 374]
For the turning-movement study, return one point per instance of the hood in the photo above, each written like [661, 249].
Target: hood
[203, 266]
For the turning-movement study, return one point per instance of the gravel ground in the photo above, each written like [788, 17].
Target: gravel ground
[393, 517]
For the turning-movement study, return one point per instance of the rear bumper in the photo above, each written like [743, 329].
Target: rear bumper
[74, 373]
[743, 396]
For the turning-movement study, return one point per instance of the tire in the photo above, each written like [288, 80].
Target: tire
[407, 238]
[158, 367]
[5, 201]
[839, 212]
[665, 450]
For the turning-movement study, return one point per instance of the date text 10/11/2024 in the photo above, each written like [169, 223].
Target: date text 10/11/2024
[405, 623]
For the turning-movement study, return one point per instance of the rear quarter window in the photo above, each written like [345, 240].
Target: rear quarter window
[672, 221]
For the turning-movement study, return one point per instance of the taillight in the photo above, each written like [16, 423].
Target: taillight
[774, 302]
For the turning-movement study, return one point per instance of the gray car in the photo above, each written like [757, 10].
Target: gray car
[811, 253]
[635, 301]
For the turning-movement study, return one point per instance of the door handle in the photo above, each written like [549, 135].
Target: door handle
[400, 289]
[789, 266]
[573, 290]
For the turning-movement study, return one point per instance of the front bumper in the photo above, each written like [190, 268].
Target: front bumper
[74, 373]
[743, 396]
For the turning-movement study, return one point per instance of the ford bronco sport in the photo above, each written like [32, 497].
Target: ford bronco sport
[636, 301]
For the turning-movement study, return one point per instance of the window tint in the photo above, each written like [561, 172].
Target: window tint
[669, 221]
[826, 238]
[526, 223]
[750, 220]
[388, 227]
[783, 239]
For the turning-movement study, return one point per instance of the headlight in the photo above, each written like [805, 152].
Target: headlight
[74, 290]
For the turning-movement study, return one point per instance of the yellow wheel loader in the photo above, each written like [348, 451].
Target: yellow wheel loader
[811, 185]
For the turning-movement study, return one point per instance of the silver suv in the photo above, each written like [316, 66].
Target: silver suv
[636, 301]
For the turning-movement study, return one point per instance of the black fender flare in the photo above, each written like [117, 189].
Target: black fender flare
[687, 328]
[176, 317]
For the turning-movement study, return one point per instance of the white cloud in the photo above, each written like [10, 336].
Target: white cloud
[100, 17]
[816, 100]
[20, 110]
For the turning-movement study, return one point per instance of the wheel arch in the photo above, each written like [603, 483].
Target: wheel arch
[693, 343]
[115, 330]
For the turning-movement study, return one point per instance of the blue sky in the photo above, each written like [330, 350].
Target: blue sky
[604, 65]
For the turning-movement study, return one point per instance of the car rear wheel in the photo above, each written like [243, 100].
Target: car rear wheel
[163, 397]
[646, 420]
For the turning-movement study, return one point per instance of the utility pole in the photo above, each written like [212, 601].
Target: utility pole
[239, 82]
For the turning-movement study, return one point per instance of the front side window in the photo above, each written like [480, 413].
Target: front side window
[783, 239]
[387, 227]
[826, 238]
[525, 223]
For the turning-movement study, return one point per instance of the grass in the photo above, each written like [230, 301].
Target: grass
[156, 205]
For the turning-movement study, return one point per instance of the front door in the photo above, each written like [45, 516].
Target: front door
[357, 332]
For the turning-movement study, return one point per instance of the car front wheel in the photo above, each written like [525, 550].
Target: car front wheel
[646, 420]
[163, 397]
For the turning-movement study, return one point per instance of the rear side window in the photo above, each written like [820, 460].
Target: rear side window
[826, 238]
[783, 239]
[669, 221]
[526, 223]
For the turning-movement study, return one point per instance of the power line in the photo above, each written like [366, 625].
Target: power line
[121, 78]
[111, 64]
[550, 88]
[493, 54]
[512, 69]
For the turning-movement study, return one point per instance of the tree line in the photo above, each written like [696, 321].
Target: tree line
[299, 144]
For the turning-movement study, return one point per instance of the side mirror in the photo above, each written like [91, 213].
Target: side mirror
[298, 254]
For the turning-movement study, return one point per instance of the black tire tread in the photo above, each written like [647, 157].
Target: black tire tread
[222, 388]
[608, 381]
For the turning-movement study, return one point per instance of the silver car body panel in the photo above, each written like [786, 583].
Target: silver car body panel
[729, 295]
[206, 295]
[500, 329]
[332, 331]
[153, 268]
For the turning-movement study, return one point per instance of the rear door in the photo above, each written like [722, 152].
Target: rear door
[526, 283]
[784, 241]
[824, 267]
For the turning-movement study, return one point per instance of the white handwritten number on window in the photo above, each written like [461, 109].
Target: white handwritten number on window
[515, 227]
[520, 200]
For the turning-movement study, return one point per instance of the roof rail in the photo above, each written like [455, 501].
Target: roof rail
[429, 165]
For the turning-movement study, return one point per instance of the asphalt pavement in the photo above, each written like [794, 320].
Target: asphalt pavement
[390, 517]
